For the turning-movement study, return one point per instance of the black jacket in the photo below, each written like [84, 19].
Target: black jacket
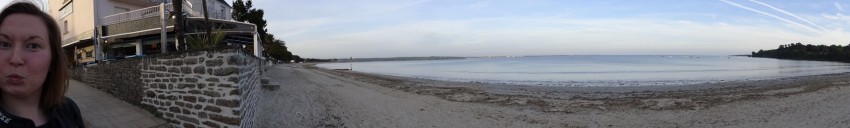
[65, 116]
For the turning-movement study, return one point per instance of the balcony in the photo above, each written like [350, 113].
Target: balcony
[146, 23]
[141, 21]
[74, 38]
[143, 13]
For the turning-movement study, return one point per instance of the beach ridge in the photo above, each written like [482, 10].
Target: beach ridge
[353, 99]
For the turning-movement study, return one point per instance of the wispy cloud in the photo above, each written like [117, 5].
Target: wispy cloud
[790, 14]
[374, 28]
[771, 15]
[843, 20]
[839, 17]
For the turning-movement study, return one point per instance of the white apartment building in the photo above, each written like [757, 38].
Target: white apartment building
[116, 29]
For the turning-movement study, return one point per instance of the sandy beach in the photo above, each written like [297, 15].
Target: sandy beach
[315, 97]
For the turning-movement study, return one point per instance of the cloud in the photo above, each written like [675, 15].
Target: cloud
[790, 14]
[562, 36]
[837, 16]
[771, 15]
[296, 21]
[842, 20]
[479, 5]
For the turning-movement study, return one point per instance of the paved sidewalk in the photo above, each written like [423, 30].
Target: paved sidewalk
[101, 110]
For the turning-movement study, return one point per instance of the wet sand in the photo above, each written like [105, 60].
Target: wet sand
[315, 97]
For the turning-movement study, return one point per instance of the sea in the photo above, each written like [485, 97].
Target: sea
[598, 70]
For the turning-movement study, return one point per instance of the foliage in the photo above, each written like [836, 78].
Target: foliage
[243, 11]
[105, 47]
[240, 8]
[297, 58]
[318, 60]
[200, 41]
[206, 19]
[798, 51]
[273, 47]
[277, 50]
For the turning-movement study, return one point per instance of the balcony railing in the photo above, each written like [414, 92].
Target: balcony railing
[188, 10]
[132, 15]
[144, 13]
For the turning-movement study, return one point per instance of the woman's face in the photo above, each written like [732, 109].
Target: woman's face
[24, 55]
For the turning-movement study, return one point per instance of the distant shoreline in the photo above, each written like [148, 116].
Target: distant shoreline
[345, 60]
[468, 57]
[838, 61]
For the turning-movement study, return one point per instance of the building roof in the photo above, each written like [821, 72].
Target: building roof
[169, 1]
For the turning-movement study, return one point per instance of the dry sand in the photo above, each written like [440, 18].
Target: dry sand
[314, 97]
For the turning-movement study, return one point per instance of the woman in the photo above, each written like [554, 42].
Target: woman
[33, 76]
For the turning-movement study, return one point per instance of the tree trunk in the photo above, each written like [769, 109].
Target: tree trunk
[207, 23]
[178, 26]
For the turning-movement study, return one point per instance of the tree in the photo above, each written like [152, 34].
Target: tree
[240, 9]
[207, 19]
[799, 51]
[178, 26]
[278, 51]
[274, 48]
[297, 58]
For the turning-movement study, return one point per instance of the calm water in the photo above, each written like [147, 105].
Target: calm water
[599, 70]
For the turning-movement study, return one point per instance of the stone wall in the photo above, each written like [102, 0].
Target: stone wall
[121, 79]
[212, 88]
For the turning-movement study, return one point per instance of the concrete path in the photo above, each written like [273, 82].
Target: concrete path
[101, 110]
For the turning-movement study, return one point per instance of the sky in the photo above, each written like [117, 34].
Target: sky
[41, 3]
[395, 28]
[392, 28]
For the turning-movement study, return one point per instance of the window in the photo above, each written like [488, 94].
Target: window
[66, 10]
[65, 26]
[89, 54]
[213, 13]
[222, 12]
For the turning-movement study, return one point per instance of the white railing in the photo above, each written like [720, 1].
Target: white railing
[133, 15]
[145, 13]
[188, 9]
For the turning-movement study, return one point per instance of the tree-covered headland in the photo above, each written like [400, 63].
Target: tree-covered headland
[799, 51]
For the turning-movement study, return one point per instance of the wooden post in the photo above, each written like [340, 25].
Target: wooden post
[163, 37]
